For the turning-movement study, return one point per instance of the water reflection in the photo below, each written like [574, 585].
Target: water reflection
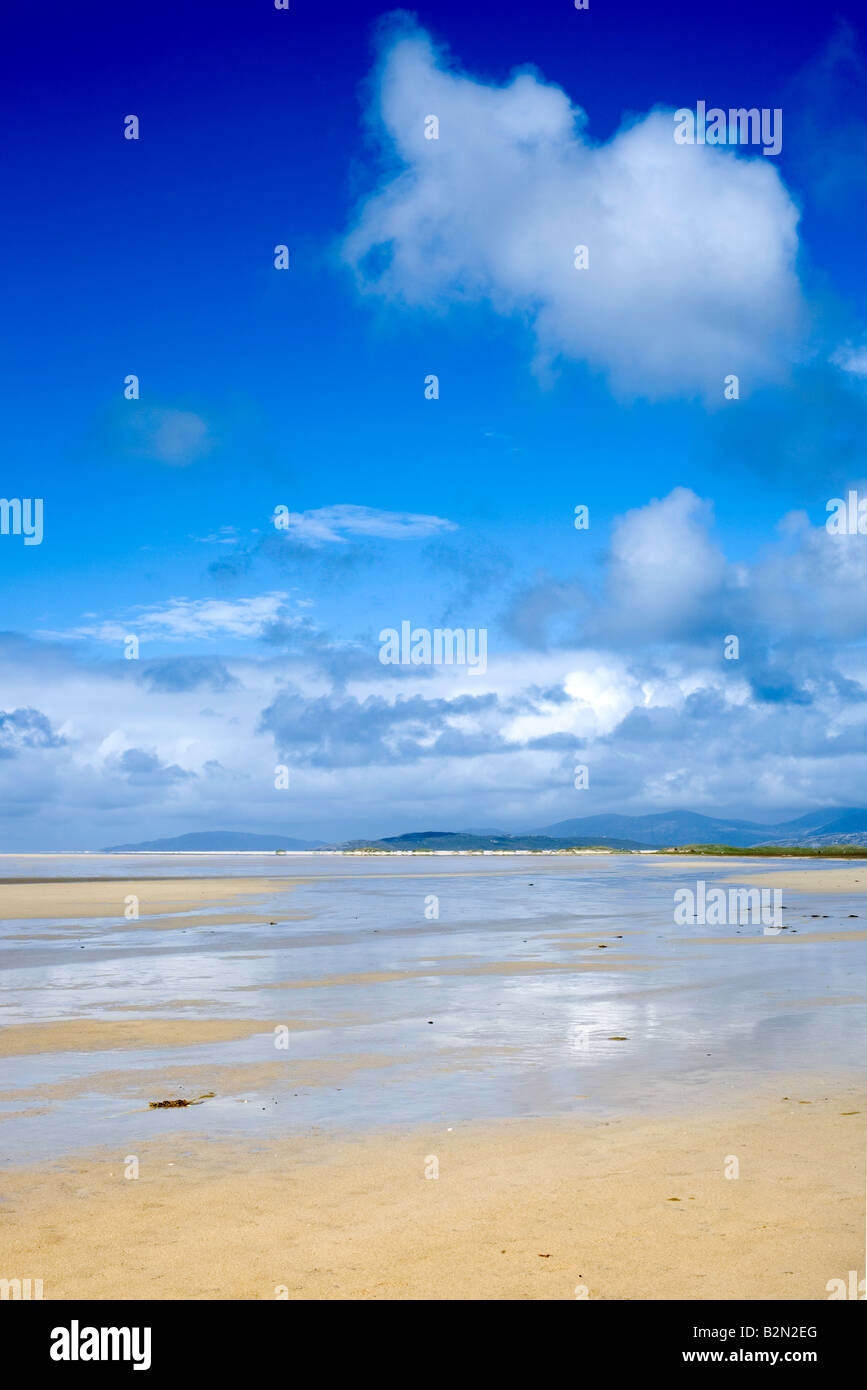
[541, 987]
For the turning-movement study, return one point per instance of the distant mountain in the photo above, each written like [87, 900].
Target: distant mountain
[856, 839]
[815, 819]
[453, 840]
[843, 823]
[226, 840]
[660, 830]
[671, 828]
[847, 827]
[664, 828]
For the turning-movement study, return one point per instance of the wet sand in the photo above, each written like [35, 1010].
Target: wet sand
[103, 1035]
[626, 1209]
[840, 878]
[106, 897]
[581, 1069]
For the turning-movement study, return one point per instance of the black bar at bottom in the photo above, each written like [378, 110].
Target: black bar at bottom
[256, 1338]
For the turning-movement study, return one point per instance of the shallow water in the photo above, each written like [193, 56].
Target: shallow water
[502, 1005]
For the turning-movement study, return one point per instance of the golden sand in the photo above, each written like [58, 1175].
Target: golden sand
[104, 1035]
[620, 1210]
[633, 1208]
[847, 878]
[106, 897]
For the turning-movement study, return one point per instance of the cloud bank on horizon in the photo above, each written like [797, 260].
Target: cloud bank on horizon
[639, 691]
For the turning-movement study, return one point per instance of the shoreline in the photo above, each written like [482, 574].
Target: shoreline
[44, 898]
[843, 852]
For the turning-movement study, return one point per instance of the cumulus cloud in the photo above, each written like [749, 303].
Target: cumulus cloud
[813, 584]
[665, 573]
[143, 767]
[667, 580]
[25, 728]
[664, 579]
[187, 673]
[347, 731]
[691, 248]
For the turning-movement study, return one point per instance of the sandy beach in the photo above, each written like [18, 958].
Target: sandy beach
[548, 1095]
[69, 898]
[620, 1210]
[836, 878]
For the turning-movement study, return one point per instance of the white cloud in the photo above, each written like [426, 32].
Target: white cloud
[336, 523]
[601, 693]
[224, 535]
[692, 248]
[665, 573]
[182, 619]
[812, 583]
[667, 581]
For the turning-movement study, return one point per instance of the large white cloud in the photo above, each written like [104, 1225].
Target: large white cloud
[691, 248]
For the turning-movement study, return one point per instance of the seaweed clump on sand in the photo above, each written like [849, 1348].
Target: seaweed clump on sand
[179, 1104]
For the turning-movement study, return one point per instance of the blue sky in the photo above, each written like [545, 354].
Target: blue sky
[305, 388]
